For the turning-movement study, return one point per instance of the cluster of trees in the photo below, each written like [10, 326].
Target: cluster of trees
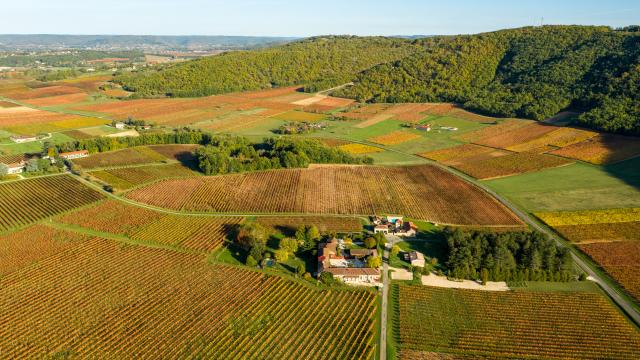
[101, 144]
[321, 62]
[299, 127]
[519, 256]
[65, 58]
[530, 72]
[231, 154]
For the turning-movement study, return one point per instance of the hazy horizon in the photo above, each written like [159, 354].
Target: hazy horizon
[288, 18]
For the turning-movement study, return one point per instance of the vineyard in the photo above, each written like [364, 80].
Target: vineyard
[151, 303]
[129, 156]
[125, 178]
[22, 248]
[422, 192]
[621, 260]
[584, 217]
[326, 224]
[198, 233]
[489, 324]
[26, 201]
[600, 232]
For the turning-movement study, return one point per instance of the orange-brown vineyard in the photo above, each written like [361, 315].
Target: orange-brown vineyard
[99, 299]
[423, 192]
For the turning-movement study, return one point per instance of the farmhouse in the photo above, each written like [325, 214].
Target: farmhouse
[119, 125]
[394, 225]
[74, 154]
[347, 265]
[414, 258]
[16, 167]
[24, 139]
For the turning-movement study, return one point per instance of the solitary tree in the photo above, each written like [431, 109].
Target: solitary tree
[395, 250]
[374, 262]
[289, 245]
[281, 255]
[370, 243]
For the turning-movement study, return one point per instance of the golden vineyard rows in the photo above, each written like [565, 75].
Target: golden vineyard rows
[423, 192]
[580, 325]
[133, 301]
[26, 201]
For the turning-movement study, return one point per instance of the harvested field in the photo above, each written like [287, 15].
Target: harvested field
[621, 260]
[11, 118]
[334, 142]
[24, 202]
[559, 138]
[461, 153]
[604, 232]
[128, 177]
[520, 324]
[47, 91]
[422, 192]
[288, 225]
[163, 303]
[602, 149]
[493, 130]
[57, 100]
[80, 122]
[394, 138]
[129, 156]
[508, 165]
[180, 152]
[7, 104]
[25, 247]
[372, 120]
[77, 134]
[517, 136]
[359, 149]
[335, 102]
[300, 116]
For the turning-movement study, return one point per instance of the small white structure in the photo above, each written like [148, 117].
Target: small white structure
[23, 139]
[74, 154]
[16, 168]
[381, 229]
[120, 125]
[355, 275]
[414, 257]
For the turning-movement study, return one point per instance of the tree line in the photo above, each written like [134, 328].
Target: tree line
[512, 256]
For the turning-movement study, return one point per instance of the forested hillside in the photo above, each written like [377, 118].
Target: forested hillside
[320, 62]
[531, 73]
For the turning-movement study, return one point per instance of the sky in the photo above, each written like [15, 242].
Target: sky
[302, 17]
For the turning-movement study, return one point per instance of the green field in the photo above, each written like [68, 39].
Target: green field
[574, 187]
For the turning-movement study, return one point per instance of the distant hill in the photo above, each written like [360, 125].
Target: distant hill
[532, 72]
[135, 42]
[320, 62]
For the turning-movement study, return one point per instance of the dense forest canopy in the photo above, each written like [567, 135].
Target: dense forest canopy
[532, 72]
[519, 256]
[321, 62]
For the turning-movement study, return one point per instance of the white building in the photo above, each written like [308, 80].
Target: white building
[74, 154]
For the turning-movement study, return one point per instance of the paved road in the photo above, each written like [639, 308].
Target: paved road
[385, 301]
[623, 303]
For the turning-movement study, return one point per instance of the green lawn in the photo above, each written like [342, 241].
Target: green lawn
[574, 187]
[35, 146]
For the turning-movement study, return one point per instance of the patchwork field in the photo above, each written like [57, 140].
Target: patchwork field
[603, 149]
[145, 302]
[483, 162]
[326, 224]
[26, 201]
[621, 260]
[422, 192]
[473, 323]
